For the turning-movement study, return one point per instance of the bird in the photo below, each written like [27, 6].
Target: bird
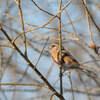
[67, 60]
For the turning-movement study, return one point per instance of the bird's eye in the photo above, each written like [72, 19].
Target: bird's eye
[53, 45]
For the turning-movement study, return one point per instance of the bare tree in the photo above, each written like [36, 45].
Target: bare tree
[27, 28]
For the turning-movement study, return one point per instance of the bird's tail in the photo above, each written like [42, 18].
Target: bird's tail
[88, 72]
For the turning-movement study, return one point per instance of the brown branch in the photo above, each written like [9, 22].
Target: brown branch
[3, 45]
[23, 75]
[42, 52]
[71, 85]
[82, 92]
[31, 65]
[43, 24]
[1, 64]
[84, 87]
[65, 90]
[24, 84]
[90, 15]
[42, 9]
[87, 17]
[22, 22]
[60, 44]
[51, 97]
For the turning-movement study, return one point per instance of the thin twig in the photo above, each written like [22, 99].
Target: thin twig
[31, 65]
[42, 9]
[71, 85]
[51, 96]
[76, 34]
[8, 61]
[60, 46]
[22, 22]
[84, 86]
[1, 65]
[75, 31]
[24, 84]
[3, 45]
[87, 16]
[76, 91]
[42, 52]
[43, 24]
[49, 71]
[90, 15]
[23, 74]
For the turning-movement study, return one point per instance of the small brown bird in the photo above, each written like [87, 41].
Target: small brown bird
[68, 61]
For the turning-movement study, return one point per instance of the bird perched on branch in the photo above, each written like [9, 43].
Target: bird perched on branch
[67, 60]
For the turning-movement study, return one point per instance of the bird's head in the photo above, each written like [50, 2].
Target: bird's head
[54, 45]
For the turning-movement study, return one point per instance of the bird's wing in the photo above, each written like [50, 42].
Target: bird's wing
[67, 57]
